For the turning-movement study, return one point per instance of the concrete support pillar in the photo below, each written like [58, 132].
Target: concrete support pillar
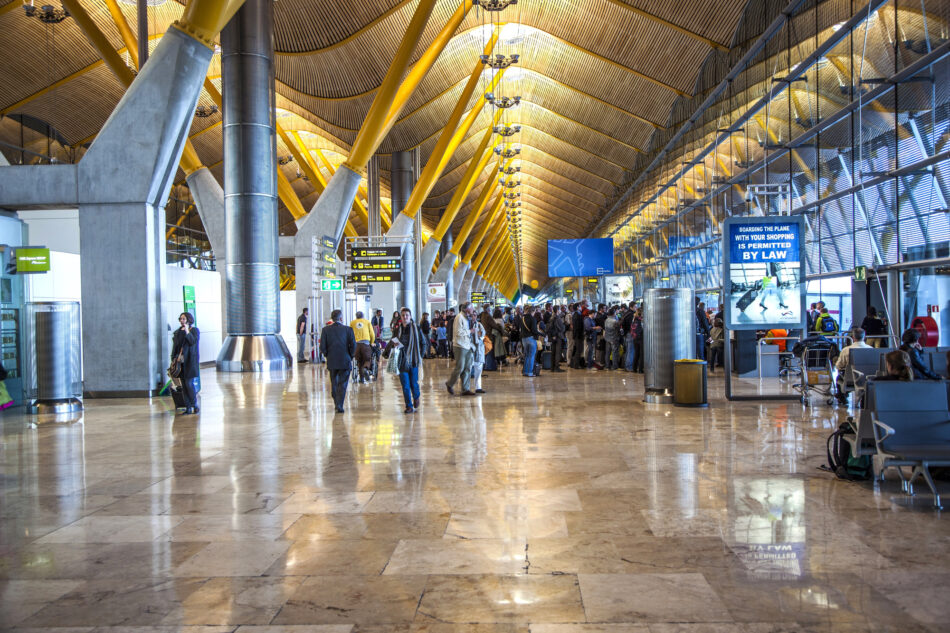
[895, 291]
[250, 194]
[123, 290]
[122, 184]
[374, 209]
[465, 286]
[402, 180]
[457, 276]
[209, 202]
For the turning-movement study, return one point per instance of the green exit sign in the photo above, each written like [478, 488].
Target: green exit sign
[32, 260]
[331, 284]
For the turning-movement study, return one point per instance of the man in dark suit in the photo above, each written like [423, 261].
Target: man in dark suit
[338, 344]
[577, 332]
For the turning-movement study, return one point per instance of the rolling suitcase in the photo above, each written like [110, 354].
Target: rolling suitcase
[490, 363]
[746, 300]
[179, 397]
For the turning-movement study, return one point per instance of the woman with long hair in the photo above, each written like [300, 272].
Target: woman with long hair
[408, 338]
[898, 366]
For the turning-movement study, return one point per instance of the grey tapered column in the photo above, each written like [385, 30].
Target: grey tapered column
[446, 259]
[402, 179]
[250, 193]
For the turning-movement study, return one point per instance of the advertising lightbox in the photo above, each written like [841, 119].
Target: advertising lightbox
[764, 272]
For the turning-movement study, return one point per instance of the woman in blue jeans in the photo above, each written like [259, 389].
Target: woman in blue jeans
[410, 344]
[529, 340]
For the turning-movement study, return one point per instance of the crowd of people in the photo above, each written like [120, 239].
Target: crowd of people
[545, 337]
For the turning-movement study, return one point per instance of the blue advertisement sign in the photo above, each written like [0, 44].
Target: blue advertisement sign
[764, 273]
[580, 258]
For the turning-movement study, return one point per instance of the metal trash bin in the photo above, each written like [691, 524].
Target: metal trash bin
[689, 383]
[53, 357]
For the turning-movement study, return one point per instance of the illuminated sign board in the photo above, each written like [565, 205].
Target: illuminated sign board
[32, 260]
[764, 272]
[328, 285]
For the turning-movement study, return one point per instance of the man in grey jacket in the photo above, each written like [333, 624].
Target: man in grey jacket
[463, 343]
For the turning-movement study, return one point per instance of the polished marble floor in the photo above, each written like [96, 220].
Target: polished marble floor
[558, 504]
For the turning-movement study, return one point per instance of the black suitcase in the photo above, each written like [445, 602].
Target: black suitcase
[178, 395]
[546, 359]
[746, 300]
[490, 363]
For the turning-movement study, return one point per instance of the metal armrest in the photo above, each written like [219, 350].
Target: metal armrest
[888, 431]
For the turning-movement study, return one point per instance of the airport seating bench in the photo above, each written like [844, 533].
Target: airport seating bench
[911, 429]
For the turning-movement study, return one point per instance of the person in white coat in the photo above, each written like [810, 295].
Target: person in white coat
[478, 359]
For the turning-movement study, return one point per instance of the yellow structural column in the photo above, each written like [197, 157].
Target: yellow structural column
[480, 236]
[309, 168]
[492, 261]
[475, 166]
[131, 44]
[450, 138]
[489, 187]
[499, 199]
[366, 140]
[421, 68]
[481, 260]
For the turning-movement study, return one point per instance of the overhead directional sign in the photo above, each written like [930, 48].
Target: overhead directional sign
[478, 297]
[374, 277]
[374, 252]
[376, 264]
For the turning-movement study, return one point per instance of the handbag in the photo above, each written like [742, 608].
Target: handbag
[174, 370]
[392, 367]
[488, 344]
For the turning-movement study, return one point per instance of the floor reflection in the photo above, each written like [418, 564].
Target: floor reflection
[552, 502]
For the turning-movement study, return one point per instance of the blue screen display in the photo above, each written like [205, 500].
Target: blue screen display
[580, 258]
[763, 243]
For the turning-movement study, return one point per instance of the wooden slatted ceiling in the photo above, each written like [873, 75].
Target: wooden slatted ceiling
[597, 79]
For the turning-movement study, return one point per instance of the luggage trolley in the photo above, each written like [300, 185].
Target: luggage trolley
[817, 377]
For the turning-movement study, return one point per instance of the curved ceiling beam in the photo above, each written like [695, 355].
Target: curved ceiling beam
[567, 43]
[653, 18]
[540, 166]
[609, 183]
[349, 38]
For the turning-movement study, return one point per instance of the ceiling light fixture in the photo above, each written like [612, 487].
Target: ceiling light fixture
[499, 61]
[494, 5]
[203, 112]
[502, 102]
[46, 13]
[514, 169]
[506, 151]
[507, 130]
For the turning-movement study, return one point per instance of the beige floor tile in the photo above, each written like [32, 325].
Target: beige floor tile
[650, 598]
[363, 600]
[232, 558]
[492, 598]
[449, 556]
[333, 558]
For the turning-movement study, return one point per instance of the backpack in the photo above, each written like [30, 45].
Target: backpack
[829, 325]
[840, 461]
[636, 329]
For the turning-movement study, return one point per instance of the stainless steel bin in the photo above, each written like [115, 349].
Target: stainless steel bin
[53, 357]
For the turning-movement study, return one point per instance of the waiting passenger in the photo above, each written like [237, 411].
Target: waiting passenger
[875, 328]
[911, 344]
[898, 366]
[185, 345]
[717, 342]
[844, 365]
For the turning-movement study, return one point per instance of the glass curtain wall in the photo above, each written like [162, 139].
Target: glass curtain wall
[844, 118]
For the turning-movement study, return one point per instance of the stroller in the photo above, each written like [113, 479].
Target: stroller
[817, 356]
